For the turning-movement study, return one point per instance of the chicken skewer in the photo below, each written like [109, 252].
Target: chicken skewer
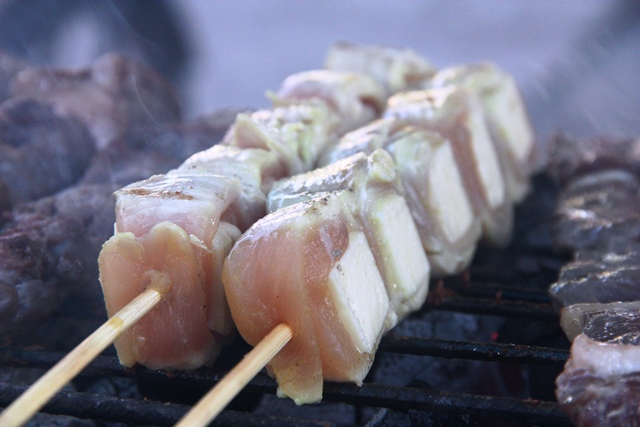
[289, 129]
[321, 257]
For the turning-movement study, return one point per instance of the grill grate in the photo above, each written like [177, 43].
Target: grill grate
[510, 284]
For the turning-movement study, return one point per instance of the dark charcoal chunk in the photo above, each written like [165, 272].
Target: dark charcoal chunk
[40, 152]
[111, 98]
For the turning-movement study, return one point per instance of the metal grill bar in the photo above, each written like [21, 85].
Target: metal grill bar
[146, 412]
[492, 352]
[495, 307]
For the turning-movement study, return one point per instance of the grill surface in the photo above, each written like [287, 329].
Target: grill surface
[509, 284]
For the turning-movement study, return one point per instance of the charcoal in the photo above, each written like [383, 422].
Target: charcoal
[9, 68]
[111, 97]
[40, 152]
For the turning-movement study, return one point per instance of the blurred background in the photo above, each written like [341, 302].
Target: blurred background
[577, 62]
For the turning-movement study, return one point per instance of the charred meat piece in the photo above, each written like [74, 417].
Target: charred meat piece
[598, 211]
[111, 97]
[570, 157]
[601, 381]
[598, 278]
[40, 152]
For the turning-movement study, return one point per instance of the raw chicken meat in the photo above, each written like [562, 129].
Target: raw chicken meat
[382, 213]
[433, 188]
[396, 69]
[458, 115]
[506, 116]
[312, 269]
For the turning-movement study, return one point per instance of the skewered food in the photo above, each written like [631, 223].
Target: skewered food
[195, 213]
[306, 264]
[310, 246]
[49, 247]
[433, 188]
[597, 219]
[506, 118]
[384, 216]
[396, 69]
[458, 115]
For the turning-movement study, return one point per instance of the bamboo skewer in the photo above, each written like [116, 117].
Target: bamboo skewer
[36, 396]
[219, 396]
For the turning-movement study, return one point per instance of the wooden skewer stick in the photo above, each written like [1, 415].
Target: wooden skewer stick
[36, 396]
[219, 396]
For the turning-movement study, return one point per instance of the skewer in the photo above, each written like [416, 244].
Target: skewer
[36, 396]
[228, 387]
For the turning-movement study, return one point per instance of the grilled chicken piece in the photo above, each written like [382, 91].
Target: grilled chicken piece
[309, 266]
[506, 116]
[396, 69]
[111, 97]
[433, 188]
[355, 98]
[384, 216]
[294, 133]
[185, 220]
[458, 115]
[49, 247]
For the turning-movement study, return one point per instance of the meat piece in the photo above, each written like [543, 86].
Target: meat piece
[506, 116]
[309, 265]
[572, 157]
[601, 381]
[458, 115]
[396, 69]
[603, 278]
[598, 211]
[384, 216]
[111, 97]
[294, 133]
[355, 98]
[575, 318]
[191, 215]
[49, 247]
[424, 159]
[40, 152]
